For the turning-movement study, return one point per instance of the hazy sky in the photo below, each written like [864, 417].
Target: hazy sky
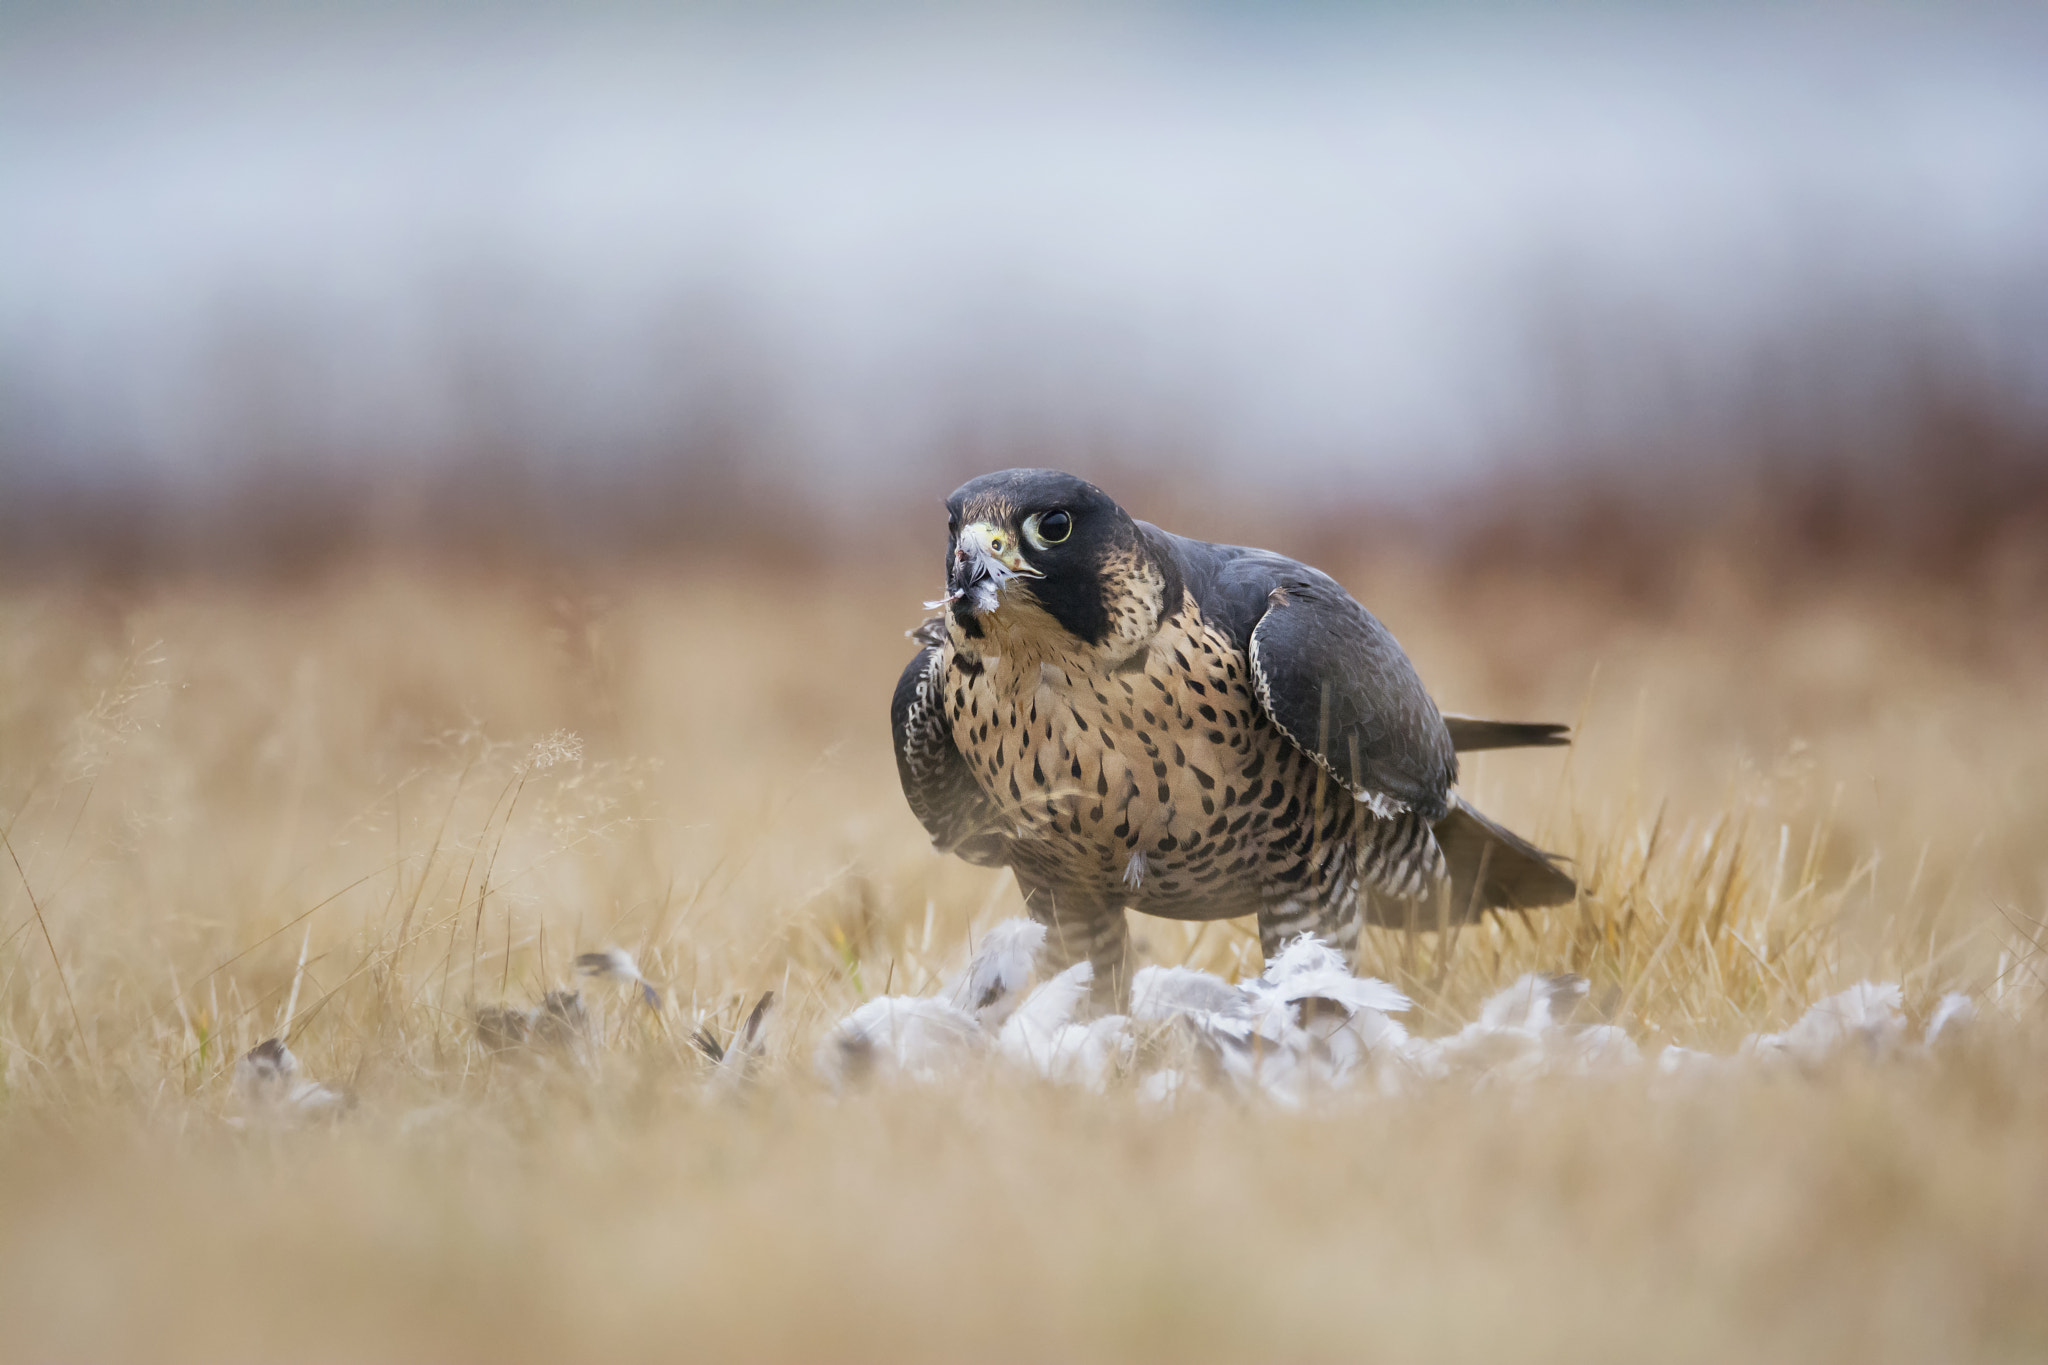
[1401, 246]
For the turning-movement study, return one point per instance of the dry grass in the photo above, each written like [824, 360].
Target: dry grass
[1774, 795]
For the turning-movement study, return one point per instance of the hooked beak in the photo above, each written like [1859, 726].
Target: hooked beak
[985, 559]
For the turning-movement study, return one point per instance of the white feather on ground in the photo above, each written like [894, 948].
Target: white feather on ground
[1299, 956]
[1236, 1054]
[618, 964]
[1864, 1021]
[1595, 1049]
[739, 1060]
[1162, 1088]
[1684, 1061]
[1868, 1016]
[1953, 1018]
[269, 1085]
[1306, 1029]
[900, 1038]
[1043, 1038]
[1536, 1002]
[993, 982]
[1302, 1029]
[1512, 1034]
[1160, 993]
[1328, 1021]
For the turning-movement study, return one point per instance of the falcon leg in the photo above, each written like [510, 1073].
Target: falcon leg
[1079, 928]
[1326, 907]
[1335, 924]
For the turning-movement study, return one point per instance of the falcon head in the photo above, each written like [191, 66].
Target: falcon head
[1036, 538]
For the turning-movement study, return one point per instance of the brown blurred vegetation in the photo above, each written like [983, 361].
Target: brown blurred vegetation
[1943, 486]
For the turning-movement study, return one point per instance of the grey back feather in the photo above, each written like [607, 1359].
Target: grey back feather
[1329, 675]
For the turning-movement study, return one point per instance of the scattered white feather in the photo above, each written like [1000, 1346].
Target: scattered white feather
[1534, 1003]
[1511, 1037]
[739, 1060]
[1303, 954]
[1048, 1009]
[1163, 1089]
[618, 964]
[1306, 1027]
[1043, 1038]
[1952, 1019]
[1090, 1054]
[269, 1085]
[994, 979]
[1160, 993]
[1866, 1017]
[900, 1038]
[1308, 978]
[1134, 870]
[1241, 1058]
[1596, 1049]
[1684, 1061]
[1341, 988]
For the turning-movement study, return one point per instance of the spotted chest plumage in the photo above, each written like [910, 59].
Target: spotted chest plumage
[1148, 773]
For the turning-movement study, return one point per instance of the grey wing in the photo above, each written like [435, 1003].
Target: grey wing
[1334, 681]
[937, 782]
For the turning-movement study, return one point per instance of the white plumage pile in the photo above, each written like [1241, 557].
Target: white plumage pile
[1305, 1031]
[1307, 1028]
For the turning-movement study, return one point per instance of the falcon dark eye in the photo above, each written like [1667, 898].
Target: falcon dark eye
[1050, 528]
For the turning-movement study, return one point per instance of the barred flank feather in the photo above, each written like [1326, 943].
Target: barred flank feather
[1400, 856]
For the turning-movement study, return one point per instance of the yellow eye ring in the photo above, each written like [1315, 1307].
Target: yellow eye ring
[1048, 528]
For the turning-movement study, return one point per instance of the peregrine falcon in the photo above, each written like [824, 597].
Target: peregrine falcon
[1127, 718]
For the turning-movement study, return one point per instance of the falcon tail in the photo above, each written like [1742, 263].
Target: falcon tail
[1494, 868]
[1487, 867]
[1469, 735]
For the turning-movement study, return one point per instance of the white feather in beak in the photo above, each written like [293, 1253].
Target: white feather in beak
[986, 559]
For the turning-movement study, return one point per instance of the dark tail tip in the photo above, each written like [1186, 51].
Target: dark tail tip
[1494, 868]
[1469, 735]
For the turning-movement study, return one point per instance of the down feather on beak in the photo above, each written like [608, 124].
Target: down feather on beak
[986, 559]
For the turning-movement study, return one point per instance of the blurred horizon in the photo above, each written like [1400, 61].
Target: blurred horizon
[629, 273]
